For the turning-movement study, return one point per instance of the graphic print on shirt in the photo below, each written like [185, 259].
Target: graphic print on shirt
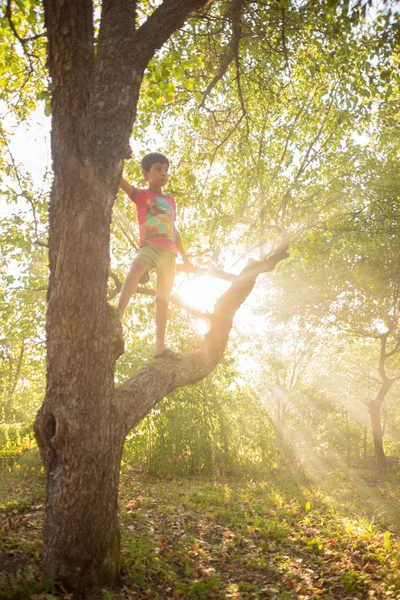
[159, 219]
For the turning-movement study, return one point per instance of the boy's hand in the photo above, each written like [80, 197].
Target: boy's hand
[186, 262]
[189, 267]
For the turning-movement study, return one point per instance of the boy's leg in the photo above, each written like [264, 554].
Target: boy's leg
[161, 325]
[165, 280]
[130, 284]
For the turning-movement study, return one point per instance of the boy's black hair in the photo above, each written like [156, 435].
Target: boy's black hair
[151, 159]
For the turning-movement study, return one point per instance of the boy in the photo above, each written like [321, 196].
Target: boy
[159, 243]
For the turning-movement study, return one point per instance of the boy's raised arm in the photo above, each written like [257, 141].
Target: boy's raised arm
[123, 184]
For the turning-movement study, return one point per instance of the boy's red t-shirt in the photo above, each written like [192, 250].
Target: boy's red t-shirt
[156, 214]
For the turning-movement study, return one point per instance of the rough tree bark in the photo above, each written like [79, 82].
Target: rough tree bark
[95, 88]
[82, 424]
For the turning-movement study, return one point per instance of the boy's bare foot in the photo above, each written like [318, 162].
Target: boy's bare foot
[168, 353]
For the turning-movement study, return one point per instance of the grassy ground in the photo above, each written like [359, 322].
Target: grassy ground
[279, 538]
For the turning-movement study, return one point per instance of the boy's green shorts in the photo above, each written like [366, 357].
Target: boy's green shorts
[163, 263]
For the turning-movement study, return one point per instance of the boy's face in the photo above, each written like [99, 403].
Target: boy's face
[157, 176]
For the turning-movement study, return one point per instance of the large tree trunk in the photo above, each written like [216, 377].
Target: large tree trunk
[82, 426]
[81, 530]
[79, 428]
[83, 422]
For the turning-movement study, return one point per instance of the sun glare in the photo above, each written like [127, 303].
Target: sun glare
[201, 292]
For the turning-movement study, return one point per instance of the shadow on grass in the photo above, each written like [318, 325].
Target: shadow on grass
[285, 536]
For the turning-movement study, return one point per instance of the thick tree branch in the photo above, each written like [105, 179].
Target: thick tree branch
[70, 34]
[211, 271]
[119, 68]
[234, 15]
[134, 399]
[159, 27]
[149, 292]
[178, 302]
[70, 52]
[117, 79]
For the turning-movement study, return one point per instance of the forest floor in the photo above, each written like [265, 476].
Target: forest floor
[335, 538]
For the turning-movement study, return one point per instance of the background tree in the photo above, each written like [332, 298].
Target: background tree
[353, 287]
[23, 283]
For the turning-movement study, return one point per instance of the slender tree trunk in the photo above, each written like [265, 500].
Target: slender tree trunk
[365, 443]
[348, 448]
[374, 408]
[281, 414]
[375, 416]
[225, 441]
